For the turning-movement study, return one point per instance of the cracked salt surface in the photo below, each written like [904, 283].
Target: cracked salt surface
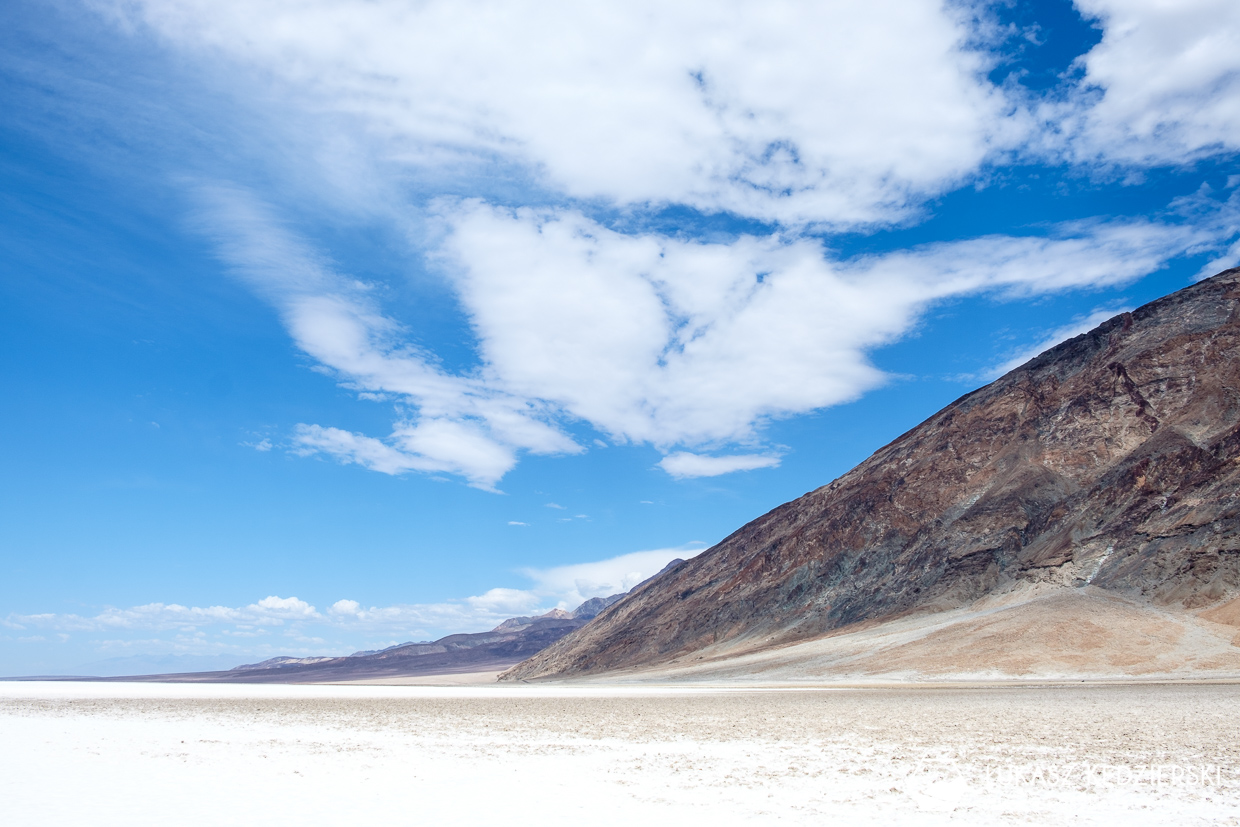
[105, 754]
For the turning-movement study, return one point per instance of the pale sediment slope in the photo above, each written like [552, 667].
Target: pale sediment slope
[1034, 634]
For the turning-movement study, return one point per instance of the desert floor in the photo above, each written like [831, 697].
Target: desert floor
[99, 754]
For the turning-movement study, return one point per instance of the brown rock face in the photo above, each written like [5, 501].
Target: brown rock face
[1112, 459]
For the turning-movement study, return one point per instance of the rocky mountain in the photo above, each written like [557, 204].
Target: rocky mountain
[1106, 470]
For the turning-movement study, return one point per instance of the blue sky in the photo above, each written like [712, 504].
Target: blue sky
[331, 325]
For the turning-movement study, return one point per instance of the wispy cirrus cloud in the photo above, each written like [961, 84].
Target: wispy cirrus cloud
[802, 119]
[719, 106]
[1078, 326]
[463, 424]
[680, 344]
[684, 464]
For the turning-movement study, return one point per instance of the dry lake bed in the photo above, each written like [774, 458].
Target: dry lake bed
[136, 754]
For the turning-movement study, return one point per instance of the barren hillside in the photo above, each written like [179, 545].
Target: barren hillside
[1111, 460]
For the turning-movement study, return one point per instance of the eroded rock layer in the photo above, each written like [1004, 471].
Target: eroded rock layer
[1113, 459]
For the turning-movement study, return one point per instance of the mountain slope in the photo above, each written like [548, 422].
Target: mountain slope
[1113, 459]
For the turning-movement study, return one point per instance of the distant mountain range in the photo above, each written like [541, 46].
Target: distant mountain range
[1079, 513]
[507, 644]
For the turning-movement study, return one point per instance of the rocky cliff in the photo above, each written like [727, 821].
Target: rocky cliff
[1112, 460]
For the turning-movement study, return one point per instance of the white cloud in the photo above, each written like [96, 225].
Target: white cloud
[270, 611]
[649, 339]
[683, 464]
[300, 624]
[517, 522]
[675, 342]
[431, 445]
[463, 425]
[286, 606]
[1054, 337]
[720, 105]
[362, 450]
[570, 586]
[345, 607]
[834, 113]
[1229, 259]
[1163, 85]
[499, 601]
[823, 115]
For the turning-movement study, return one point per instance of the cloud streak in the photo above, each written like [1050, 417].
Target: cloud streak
[527, 173]
[676, 343]
[720, 106]
[1054, 337]
[684, 465]
[462, 425]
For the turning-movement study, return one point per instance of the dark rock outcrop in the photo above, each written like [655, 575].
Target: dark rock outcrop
[1112, 459]
[591, 608]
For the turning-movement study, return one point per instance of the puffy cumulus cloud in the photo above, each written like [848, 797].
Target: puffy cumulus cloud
[470, 614]
[1163, 85]
[345, 607]
[270, 611]
[795, 111]
[684, 464]
[677, 342]
[145, 636]
[652, 339]
[570, 586]
[293, 615]
[288, 625]
[290, 607]
[649, 339]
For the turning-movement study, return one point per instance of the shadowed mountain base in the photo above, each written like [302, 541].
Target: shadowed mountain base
[1038, 633]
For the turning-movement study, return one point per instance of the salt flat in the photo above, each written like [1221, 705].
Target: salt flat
[99, 754]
